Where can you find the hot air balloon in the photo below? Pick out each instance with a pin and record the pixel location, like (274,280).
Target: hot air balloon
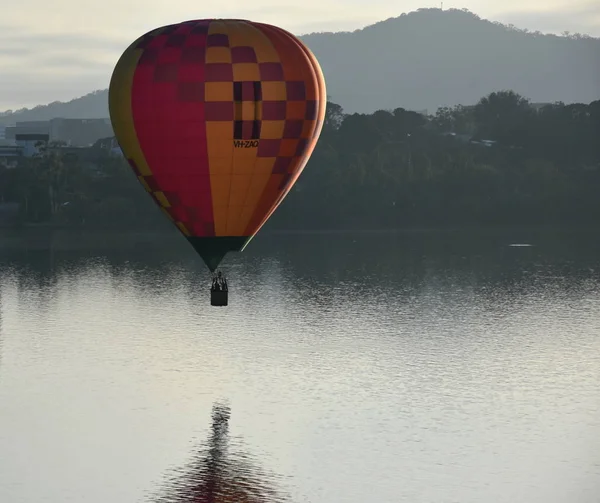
(221,473)
(217,118)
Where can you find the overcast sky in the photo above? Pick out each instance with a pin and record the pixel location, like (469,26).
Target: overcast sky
(64,49)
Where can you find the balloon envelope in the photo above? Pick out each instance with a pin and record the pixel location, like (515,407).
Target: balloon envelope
(217,118)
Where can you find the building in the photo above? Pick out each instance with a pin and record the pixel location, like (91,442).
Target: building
(538,106)
(26,127)
(9,148)
(10,153)
(30,142)
(73,132)
(80,132)
(109,144)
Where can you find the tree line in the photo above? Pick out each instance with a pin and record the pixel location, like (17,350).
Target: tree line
(502,161)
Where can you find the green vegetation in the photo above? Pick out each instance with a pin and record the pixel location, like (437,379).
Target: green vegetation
(63,189)
(384,170)
(399,169)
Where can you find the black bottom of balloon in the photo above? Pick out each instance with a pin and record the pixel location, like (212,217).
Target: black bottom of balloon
(218,297)
(213,249)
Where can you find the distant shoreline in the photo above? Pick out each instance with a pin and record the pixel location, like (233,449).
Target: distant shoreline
(26,229)
(44,239)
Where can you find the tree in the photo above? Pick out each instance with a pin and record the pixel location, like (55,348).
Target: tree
(504,116)
(334,116)
(386,169)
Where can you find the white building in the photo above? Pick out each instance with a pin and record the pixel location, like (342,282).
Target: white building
(74,132)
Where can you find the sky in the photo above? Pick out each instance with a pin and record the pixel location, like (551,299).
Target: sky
(60,50)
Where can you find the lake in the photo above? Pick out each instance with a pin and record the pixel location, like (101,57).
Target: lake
(418,367)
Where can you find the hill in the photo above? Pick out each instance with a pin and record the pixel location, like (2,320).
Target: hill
(432,58)
(93,105)
(424,60)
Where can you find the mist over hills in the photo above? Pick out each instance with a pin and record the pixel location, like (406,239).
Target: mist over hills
(432,58)
(93,105)
(421,61)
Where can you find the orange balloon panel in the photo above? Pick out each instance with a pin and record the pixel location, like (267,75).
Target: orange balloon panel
(217,118)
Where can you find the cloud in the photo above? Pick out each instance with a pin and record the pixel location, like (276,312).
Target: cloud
(19,90)
(41,44)
(64,51)
(66,48)
(42,67)
(336,15)
(574,18)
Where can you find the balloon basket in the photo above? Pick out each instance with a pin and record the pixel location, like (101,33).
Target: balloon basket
(218,297)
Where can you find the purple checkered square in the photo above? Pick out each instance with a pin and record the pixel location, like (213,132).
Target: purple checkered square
(218,72)
(148,57)
(246,130)
(284,181)
(201,28)
(144,41)
(296,90)
(274,110)
(169,55)
(249,130)
(193,54)
(247,91)
(293,129)
(311,110)
(243,55)
(268,148)
(179,213)
(193,214)
(190,91)
(218,111)
(184,28)
(169,30)
(301,147)
(201,228)
(176,40)
(282,164)
(217,40)
(165,72)
(270,71)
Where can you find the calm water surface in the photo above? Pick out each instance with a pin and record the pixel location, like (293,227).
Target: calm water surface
(417,367)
